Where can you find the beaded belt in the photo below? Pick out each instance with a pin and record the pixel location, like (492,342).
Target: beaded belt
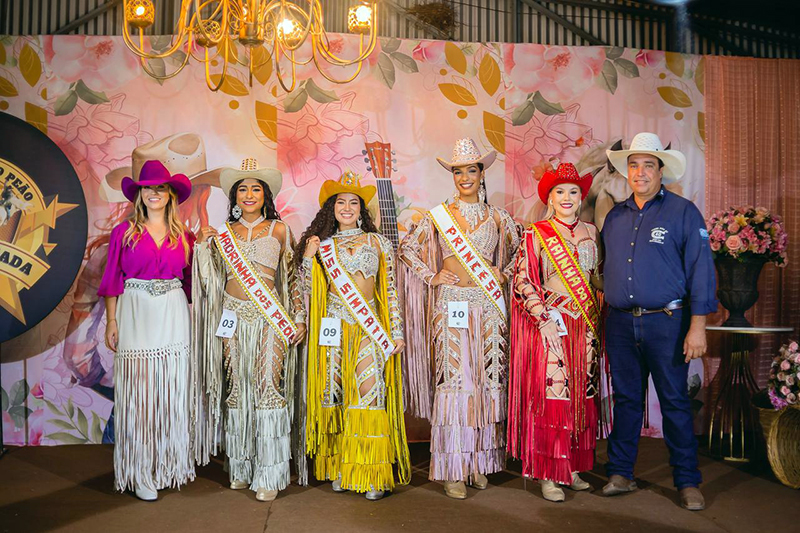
(154,287)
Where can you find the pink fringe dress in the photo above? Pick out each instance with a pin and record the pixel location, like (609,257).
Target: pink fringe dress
(456,378)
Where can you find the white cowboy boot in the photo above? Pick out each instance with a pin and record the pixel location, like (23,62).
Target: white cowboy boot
(239,485)
(337,485)
(551,491)
(264,495)
(374,495)
(578,483)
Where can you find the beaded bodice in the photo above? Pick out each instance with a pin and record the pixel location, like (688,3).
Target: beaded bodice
(358,255)
(587,257)
(265,250)
(485,237)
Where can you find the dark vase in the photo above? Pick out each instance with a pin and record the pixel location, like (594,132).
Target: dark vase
(737,287)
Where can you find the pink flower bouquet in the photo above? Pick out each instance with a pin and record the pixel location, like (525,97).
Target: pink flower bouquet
(784,377)
(748,233)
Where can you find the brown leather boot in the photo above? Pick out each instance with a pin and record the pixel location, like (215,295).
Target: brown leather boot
(692,499)
(618,485)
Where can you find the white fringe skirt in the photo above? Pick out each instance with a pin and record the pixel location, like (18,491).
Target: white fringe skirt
(151,387)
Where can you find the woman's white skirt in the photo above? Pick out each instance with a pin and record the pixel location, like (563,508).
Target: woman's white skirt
(151,387)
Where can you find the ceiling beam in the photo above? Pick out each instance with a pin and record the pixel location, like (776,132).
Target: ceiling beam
(436,32)
(720,38)
(642,11)
(91,15)
(558,19)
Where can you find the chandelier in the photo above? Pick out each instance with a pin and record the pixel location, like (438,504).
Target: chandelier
(208,31)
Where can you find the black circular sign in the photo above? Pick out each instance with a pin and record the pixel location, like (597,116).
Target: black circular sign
(43,226)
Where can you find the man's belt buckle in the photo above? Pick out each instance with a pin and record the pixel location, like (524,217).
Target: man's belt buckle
(636,311)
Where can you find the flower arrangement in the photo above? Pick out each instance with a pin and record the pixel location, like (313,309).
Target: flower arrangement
(748,233)
(784,377)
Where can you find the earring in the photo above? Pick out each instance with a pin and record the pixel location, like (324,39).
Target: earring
(482,193)
(236,212)
(358,222)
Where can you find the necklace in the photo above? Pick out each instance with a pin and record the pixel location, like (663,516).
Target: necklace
(472,213)
(348,233)
(251,225)
(570,227)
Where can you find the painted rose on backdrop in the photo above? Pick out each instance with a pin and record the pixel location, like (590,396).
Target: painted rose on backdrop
(530,147)
(430,52)
(560,73)
(102,62)
(100,135)
(323,141)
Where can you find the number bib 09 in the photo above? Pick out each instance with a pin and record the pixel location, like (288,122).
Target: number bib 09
(458,315)
(330,332)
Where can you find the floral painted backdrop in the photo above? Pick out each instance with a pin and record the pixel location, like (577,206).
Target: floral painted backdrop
(534,104)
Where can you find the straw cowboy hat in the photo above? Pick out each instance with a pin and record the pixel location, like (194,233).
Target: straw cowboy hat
(249,169)
(155,173)
(565,173)
(465,152)
(649,143)
(347,182)
(181,153)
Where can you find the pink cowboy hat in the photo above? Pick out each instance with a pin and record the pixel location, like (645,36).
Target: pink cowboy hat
(155,173)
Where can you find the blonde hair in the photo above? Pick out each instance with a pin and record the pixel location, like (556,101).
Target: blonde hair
(177,229)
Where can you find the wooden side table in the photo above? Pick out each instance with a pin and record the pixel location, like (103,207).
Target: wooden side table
(732,431)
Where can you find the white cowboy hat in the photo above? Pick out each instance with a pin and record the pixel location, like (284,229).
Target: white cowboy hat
(649,143)
(465,152)
(271,176)
(181,153)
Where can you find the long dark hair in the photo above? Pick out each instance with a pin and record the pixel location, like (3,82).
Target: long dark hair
(268,210)
(324,226)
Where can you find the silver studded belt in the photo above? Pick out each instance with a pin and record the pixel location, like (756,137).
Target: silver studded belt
(154,287)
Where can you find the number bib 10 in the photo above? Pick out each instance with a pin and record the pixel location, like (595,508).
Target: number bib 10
(330,332)
(227,324)
(458,315)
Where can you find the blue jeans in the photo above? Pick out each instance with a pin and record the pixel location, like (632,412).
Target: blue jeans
(637,348)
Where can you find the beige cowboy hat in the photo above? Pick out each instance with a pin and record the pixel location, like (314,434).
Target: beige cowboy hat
(181,153)
(649,143)
(249,169)
(465,152)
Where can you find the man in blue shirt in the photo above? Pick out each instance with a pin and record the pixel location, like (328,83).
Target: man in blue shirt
(659,285)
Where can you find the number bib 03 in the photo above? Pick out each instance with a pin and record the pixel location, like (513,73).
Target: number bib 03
(227,324)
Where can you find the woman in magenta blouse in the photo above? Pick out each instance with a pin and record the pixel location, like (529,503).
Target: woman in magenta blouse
(146,286)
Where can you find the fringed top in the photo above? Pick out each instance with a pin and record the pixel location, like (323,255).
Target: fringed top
(422,255)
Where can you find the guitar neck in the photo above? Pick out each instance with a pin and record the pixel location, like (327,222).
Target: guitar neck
(388,211)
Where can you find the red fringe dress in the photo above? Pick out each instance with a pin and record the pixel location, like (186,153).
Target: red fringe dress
(553,415)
